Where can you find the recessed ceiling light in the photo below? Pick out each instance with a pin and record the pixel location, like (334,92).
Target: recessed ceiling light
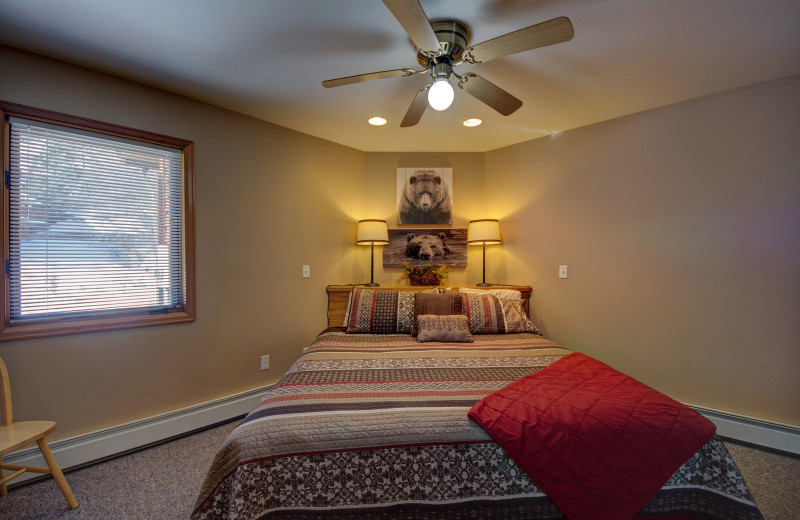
(472,122)
(376,121)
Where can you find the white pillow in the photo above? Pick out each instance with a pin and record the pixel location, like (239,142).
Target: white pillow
(506,294)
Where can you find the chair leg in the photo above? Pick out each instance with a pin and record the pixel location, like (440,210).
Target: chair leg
(57,474)
(3,487)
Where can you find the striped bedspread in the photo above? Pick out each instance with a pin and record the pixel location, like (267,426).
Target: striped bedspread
(375,427)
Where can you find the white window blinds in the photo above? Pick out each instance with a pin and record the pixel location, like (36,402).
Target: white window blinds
(95,223)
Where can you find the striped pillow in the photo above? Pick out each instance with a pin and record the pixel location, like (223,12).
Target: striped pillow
(488,314)
(516,318)
(380,312)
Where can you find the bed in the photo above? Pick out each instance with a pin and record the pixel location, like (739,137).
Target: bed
(373,424)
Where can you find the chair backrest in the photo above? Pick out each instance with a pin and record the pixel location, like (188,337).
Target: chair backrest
(5,394)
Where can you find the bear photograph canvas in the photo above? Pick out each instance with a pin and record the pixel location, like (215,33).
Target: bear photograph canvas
(422,246)
(424,196)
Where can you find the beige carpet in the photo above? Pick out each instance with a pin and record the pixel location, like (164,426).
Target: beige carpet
(161,483)
(158,483)
(774,480)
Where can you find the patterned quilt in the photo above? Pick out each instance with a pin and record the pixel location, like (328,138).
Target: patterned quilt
(375,427)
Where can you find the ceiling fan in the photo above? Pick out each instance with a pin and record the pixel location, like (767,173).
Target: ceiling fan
(442,45)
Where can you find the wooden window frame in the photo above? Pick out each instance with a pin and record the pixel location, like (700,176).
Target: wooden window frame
(75,325)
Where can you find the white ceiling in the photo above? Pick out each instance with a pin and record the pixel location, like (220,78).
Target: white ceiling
(267,58)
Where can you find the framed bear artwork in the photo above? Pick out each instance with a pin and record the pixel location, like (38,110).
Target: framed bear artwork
(424,196)
(422,246)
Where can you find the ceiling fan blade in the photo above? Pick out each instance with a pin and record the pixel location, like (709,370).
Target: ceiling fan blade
(489,93)
(413,19)
(553,31)
(349,80)
(417,108)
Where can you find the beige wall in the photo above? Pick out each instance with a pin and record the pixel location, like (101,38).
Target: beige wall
(268,200)
(680,227)
(681,230)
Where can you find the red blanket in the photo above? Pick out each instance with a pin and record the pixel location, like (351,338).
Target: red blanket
(598,442)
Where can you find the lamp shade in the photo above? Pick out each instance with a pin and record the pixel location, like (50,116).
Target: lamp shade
(372,231)
(484,231)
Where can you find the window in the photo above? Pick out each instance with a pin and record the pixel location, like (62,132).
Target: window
(98,226)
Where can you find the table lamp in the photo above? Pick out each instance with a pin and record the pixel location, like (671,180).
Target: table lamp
(370,232)
(484,231)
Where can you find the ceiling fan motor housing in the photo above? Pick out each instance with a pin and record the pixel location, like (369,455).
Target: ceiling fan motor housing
(453,38)
(441,68)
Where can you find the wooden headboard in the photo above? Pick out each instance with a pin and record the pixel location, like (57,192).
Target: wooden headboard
(339,296)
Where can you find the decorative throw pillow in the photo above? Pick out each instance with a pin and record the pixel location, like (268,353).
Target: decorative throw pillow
(488,314)
(380,312)
(405,312)
(437,304)
(449,329)
(516,319)
(372,312)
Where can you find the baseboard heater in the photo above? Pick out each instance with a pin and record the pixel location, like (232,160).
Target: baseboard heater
(81,450)
(89,448)
(749,430)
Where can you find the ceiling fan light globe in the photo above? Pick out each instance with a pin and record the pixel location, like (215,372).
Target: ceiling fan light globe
(440,95)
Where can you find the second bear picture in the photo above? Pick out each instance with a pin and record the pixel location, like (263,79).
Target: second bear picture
(436,246)
(424,196)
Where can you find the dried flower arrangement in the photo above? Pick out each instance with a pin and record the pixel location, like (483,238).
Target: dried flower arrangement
(425,274)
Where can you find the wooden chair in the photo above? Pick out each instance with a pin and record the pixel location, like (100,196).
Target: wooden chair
(16,435)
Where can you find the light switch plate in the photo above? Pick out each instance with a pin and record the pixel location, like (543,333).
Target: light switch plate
(562,271)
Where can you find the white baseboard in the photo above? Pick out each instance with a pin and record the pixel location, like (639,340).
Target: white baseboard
(91,447)
(772,435)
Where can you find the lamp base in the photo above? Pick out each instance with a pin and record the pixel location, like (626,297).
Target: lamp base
(484,284)
(371,284)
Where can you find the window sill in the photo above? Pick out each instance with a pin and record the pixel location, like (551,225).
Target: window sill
(79,326)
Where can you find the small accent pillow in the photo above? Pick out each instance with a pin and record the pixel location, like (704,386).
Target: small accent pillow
(438,304)
(488,314)
(448,329)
